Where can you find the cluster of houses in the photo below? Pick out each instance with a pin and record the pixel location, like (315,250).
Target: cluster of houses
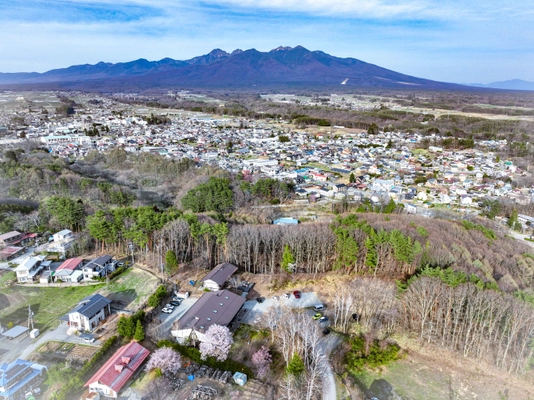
(73,270)
(384,165)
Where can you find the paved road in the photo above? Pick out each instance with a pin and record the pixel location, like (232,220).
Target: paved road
(521,238)
(24,346)
(329,343)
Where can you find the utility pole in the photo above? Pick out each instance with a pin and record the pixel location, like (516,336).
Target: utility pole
(30,317)
(131,246)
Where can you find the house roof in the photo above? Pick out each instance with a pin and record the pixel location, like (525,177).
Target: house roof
(213,308)
(120,367)
(99,261)
(64,232)
(29,262)
(14,376)
(70,264)
(220,273)
(91,305)
(9,235)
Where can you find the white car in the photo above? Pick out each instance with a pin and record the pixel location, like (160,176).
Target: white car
(167,310)
(276,298)
(287,295)
(169,305)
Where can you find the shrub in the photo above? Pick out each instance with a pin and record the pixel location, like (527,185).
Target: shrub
(371,354)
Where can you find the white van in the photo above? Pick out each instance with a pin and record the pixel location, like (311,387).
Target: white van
(319,307)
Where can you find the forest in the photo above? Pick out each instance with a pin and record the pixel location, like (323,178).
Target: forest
(461,284)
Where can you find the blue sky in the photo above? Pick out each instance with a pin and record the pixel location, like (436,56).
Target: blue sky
(449,40)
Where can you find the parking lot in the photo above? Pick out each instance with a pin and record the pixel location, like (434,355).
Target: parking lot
(168,319)
(253,316)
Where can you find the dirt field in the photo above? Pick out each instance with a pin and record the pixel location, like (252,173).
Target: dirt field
(57,352)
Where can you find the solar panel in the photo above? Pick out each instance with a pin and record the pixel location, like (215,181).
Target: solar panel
(12,372)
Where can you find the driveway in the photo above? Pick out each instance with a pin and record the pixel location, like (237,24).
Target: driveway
(327,345)
(168,319)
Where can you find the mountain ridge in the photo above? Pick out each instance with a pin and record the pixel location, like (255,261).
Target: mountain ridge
(282,66)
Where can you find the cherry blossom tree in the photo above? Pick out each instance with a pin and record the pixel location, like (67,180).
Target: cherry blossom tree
(261,360)
(166,359)
(216,343)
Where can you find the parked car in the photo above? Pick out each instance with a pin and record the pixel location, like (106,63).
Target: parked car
(323,319)
(317,316)
(169,305)
(319,307)
(326,331)
(167,310)
(175,303)
(297,294)
(287,295)
(120,264)
(259,299)
(89,340)
(177,299)
(276,298)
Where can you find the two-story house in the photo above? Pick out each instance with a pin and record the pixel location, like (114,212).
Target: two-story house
(29,268)
(90,312)
(99,266)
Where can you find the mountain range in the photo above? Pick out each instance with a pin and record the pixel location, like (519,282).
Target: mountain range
(512,84)
(281,67)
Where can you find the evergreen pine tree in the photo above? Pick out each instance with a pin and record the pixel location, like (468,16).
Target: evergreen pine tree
(139,332)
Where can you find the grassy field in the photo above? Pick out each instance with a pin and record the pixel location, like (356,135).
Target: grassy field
(420,377)
(48,304)
(131,289)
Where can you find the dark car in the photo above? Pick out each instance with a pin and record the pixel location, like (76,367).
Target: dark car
(297,294)
(175,303)
(356,317)
(326,331)
(323,319)
(260,299)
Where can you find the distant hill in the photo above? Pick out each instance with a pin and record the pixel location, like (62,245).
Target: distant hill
(512,84)
(283,66)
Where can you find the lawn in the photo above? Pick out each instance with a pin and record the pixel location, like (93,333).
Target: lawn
(132,288)
(47,304)
(129,290)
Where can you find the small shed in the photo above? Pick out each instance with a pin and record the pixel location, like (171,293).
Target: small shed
(240,378)
(15,332)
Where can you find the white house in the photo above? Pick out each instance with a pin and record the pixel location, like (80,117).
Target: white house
(89,312)
(65,234)
(218,276)
(118,370)
(29,268)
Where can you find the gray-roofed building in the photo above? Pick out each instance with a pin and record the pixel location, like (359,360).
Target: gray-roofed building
(213,308)
(98,266)
(90,312)
(218,276)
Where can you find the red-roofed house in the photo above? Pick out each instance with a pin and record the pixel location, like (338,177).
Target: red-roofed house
(65,270)
(111,378)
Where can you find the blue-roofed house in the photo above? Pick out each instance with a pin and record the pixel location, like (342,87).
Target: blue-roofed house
(90,312)
(286,221)
(19,377)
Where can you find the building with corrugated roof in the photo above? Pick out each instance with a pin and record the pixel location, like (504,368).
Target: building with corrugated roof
(213,308)
(115,373)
